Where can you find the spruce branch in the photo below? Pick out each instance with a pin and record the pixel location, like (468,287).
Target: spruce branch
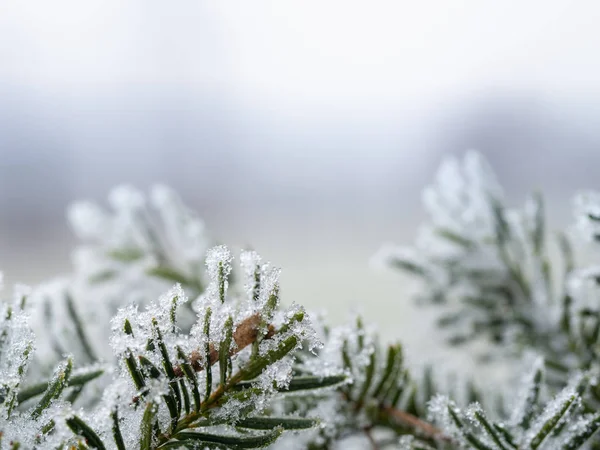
(233,369)
(169,367)
(379,394)
(486,267)
(79,378)
(245,334)
(533,424)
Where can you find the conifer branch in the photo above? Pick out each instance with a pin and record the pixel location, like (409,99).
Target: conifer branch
(275,380)
(405,418)
(245,334)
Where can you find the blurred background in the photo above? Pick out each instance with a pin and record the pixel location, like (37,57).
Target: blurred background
(307,129)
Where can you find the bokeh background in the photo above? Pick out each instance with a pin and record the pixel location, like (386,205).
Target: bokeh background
(306,129)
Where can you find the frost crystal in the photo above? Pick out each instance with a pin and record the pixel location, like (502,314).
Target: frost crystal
(587,214)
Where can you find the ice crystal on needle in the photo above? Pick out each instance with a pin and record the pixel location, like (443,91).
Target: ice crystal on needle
(35,425)
(16,349)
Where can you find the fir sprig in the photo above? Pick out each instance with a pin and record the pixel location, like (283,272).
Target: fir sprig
(562,423)
(233,369)
(165,376)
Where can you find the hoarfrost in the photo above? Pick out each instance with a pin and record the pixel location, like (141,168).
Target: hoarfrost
(586,208)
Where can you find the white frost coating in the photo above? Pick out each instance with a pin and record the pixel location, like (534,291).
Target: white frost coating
(549,426)
(472,410)
(264,274)
(126,198)
(218,263)
(88,220)
(438,413)
(116,263)
(527,384)
(459,198)
(120,341)
(278,374)
(184,231)
(586,209)
(459,202)
(477,256)
(16,343)
(139,236)
(582,285)
(16,351)
(406,442)
(551,410)
(251,264)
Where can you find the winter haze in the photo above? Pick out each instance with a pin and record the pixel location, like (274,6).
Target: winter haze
(306,130)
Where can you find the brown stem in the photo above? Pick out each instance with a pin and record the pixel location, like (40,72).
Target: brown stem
(243,336)
(410,420)
(371,439)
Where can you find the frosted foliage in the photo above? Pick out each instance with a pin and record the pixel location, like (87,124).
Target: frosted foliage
(252,266)
(280,373)
(529,387)
(357,442)
(16,348)
(587,215)
(560,423)
(133,328)
(185,231)
(331,360)
(352,350)
(88,221)
(459,198)
(135,238)
(439,412)
(27,432)
(117,396)
(218,264)
(130,253)
(554,408)
(407,442)
(333,419)
(164,346)
(583,290)
(485,262)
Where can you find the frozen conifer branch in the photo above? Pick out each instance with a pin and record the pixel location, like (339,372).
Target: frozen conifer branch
(159,237)
(382,396)
(131,252)
(229,367)
(179,396)
(561,423)
(244,335)
(487,268)
(33,426)
(486,263)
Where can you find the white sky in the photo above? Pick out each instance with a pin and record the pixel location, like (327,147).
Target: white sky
(325,52)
